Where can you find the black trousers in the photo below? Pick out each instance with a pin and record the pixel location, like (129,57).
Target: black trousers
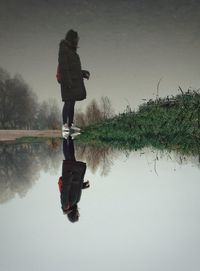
(68,112)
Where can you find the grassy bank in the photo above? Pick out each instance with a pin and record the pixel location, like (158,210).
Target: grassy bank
(168,123)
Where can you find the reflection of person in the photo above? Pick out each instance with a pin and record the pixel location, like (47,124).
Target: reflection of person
(71,182)
(71,77)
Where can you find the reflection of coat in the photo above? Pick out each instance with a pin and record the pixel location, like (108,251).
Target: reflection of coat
(72,85)
(71,182)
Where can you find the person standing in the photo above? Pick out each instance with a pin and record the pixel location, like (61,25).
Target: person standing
(71,78)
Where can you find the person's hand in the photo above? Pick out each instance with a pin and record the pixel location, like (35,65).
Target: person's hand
(86,185)
(86,74)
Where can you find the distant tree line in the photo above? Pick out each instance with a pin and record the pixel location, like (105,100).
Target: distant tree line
(21,164)
(95,112)
(20,109)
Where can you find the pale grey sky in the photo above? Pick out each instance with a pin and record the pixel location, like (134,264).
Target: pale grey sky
(127,45)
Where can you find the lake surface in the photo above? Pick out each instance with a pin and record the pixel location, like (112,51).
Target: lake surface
(141,212)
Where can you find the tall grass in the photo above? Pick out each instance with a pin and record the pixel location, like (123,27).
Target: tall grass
(168,123)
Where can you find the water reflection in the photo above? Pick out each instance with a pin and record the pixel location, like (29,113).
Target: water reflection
(20,166)
(97,157)
(175,157)
(72,181)
(160,212)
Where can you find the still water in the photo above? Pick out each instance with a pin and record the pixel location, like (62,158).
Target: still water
(141,211)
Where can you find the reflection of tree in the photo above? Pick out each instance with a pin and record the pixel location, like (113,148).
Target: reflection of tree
(96,157)
(20,166)
(103,157)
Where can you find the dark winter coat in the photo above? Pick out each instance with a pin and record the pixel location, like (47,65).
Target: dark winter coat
(71,183)
(72,85)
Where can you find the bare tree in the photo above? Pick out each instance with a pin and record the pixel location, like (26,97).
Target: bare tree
(93,113)
(42,115)
(80,118)
(106,107)
(53,120)
(48,116)
(18,103)
(4,75)
(19,107)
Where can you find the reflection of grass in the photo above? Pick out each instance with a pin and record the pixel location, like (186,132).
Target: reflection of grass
(34,139)
(31,139)
(169,123)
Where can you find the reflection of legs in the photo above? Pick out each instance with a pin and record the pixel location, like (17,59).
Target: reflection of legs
(68,112)
(68,149)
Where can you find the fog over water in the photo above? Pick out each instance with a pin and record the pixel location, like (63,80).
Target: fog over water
(127,45)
